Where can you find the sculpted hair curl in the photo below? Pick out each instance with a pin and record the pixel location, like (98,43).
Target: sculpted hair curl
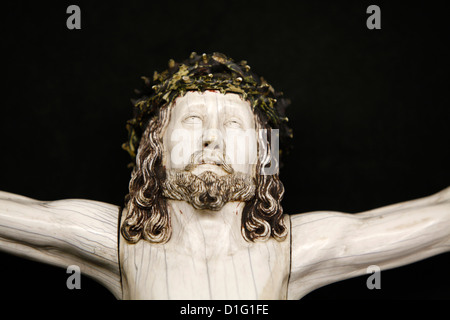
(147,217)
(147,214)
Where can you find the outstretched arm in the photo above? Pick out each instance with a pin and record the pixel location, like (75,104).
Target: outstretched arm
(63,233)
(330,246)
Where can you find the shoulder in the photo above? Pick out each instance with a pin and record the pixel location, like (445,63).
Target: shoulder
(316,239)
(316,235)
(88,215)
(84,206)
(320,219)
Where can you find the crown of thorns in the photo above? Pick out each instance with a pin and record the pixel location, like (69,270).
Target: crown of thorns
(200,73)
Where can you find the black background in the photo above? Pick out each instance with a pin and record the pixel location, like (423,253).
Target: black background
(370,110)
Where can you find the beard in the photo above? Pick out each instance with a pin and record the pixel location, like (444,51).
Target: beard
(208,190)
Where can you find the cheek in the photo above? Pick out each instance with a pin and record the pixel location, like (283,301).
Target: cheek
(241,149)
(180,144)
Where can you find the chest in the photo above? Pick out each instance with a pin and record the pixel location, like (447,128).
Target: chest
(258,271)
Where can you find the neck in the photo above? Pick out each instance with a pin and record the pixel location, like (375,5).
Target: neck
(215,231)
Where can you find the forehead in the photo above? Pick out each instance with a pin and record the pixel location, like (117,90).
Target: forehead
(211,102)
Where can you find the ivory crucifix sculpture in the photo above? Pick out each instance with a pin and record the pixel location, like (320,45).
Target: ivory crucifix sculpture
(203,217)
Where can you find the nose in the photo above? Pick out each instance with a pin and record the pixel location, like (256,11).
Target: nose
(212,139)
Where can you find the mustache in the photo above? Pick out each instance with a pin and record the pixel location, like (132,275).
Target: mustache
(211,157)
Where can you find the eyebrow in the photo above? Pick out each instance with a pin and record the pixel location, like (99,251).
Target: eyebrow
(194,105)
(197,105)
(200,105)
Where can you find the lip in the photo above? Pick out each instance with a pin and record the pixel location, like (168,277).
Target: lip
(211,161)
(218,169)
(204,163)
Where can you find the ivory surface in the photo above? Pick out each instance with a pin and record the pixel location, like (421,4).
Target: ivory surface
(207,256)
(322,248)
(198,263)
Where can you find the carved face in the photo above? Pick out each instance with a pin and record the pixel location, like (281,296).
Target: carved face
(209,151)
(213,132)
